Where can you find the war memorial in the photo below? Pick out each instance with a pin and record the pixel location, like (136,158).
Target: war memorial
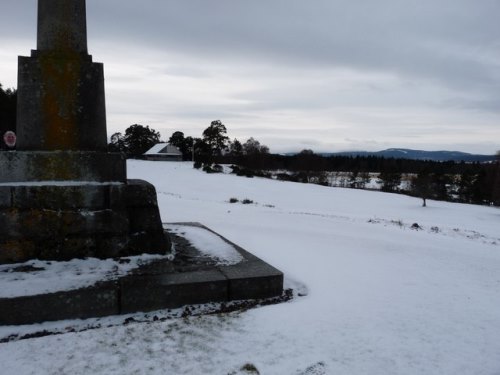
(64,196)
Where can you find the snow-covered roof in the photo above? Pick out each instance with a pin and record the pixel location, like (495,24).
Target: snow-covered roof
(163,149)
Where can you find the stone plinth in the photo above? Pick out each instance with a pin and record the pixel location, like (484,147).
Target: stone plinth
(57,222)
(190,278)
(96,301)
(19,166)
(61,103)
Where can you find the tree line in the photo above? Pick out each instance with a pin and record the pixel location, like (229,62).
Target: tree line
(214,146)
(457,181)
(476,182)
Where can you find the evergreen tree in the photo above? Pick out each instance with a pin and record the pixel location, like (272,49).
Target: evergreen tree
(136,141)
(479,188)
(440,183)
(184,144)
(177,139)
(465,184)
(495,194)
(117,143)
(235,148)
(253,146)
(215,138)
(390,180)
(421,186)
(189,148)
(364,179)
(202,152)
(353,179)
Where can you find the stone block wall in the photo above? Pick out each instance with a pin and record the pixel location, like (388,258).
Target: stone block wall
(65,222)
(42,166)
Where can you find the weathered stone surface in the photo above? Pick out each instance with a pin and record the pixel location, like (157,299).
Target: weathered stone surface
(65,222)
(140,193)
(65,18)
(5,197)
(112,246)
(17,250)
(90,197)
(61,103)
(148,293)
(44,223)
(17,166)
(136,193)
(250,279)
(253,280)
(66,248)
(144,218)
(69,247)
(149,242)
(18,224)
(96,301)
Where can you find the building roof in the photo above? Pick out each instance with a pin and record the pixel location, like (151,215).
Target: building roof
(163,149)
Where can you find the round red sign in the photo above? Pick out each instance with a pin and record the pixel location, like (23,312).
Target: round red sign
(10,138)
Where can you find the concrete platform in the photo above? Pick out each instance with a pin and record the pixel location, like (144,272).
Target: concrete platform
(194,276)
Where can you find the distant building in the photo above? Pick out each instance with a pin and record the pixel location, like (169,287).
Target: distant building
(163,152)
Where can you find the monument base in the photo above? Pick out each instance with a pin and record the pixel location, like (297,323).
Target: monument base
(68,219)
(196,275)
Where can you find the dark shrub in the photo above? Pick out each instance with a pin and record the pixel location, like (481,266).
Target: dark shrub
(235,169)
(217,168)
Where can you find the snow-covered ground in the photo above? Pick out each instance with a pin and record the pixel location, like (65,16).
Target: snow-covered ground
(382,298)
(50,277)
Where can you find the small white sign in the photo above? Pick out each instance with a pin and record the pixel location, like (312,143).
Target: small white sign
(10,138)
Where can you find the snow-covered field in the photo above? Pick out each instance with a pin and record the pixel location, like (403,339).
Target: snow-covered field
(382,298)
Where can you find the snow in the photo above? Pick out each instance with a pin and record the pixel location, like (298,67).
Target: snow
(382,298)
(37,276)
(163,149)
(208,243)
(156,148)
(51,277)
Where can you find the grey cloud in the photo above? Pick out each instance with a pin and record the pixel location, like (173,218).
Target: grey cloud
(388,35)
(18,19)
(442,54)
(385,35)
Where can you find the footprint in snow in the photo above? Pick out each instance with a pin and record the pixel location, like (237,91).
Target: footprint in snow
(316,369)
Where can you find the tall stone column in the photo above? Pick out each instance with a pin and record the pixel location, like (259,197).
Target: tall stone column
(62,26)
(61,91)
(62,195)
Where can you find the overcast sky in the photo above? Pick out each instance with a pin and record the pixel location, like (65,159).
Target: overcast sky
(327,75)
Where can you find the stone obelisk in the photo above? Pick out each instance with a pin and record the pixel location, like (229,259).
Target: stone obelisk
(61,91)
(62,195)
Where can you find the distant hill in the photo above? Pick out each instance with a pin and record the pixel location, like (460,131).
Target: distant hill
(404,153)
